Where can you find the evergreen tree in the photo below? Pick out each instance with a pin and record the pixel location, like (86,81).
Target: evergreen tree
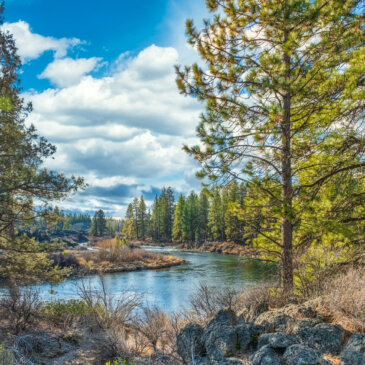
(191,221)
(203,211)
(179,225)
(283,85)
(142,219)
(98,224)
(23,179)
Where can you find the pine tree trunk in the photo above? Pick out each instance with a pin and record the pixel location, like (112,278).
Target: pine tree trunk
(287,196)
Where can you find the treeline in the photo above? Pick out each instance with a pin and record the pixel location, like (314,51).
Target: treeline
(195,218)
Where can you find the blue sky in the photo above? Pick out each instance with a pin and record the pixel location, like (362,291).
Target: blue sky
(101,79)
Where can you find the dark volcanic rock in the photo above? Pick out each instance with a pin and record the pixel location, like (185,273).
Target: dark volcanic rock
(266,356)
(326,338)
(303,355)
(189,342)
(277,340)
(223,337)
(354,352)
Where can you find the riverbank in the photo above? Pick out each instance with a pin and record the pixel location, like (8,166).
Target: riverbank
(108,256)
(226,248)
(251,327)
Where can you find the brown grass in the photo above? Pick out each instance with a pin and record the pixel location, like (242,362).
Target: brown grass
(109,251)
(344,298)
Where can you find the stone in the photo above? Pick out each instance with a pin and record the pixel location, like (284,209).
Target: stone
(224,337)
(266,356)
(281,340)
(354,352)
(225,341)
(274,321)
(326,338)
(303,355)
(189,342)
(41,344)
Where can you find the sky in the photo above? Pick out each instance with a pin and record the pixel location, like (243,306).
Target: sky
(101,79)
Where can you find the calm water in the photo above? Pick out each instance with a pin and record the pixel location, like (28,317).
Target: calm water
(169,289)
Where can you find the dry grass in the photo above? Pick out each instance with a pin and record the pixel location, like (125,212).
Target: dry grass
(344,298)
(113,252)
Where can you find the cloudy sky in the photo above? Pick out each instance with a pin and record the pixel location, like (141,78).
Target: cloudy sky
(102,82)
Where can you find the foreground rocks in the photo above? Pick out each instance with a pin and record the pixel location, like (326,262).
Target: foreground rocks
(289,336)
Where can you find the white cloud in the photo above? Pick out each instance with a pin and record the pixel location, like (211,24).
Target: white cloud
(31,45)
(143,95)
(67,71)
(123,131)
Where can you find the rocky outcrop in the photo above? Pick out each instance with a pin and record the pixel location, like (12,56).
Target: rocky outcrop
(274,338)
(354,352)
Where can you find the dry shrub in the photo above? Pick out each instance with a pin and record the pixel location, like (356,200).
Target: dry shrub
(63,259)
(19,308)
(344,297)
(207,300)
(106,309)
(113,252)
(153,324)
(254,300)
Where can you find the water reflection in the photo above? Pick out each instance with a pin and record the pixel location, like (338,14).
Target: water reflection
(169,289)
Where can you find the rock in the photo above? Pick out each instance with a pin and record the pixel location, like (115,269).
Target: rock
(223,337)
(266,356)
(354,352)
(302,355)
(274,321)
(225,341)
(229,361)
(277,340)
(41,344)
(326,338)
(189,342)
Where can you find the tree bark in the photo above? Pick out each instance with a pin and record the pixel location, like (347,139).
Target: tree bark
(287,193)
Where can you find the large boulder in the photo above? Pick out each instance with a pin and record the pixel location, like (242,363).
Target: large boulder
(354,352)
(223,337)
(266,356)
(274,321)
(189,343)
(303,355)
(277,340)
(326,338)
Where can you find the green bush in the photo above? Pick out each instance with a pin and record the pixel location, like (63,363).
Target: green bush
(70,310)
(6,356)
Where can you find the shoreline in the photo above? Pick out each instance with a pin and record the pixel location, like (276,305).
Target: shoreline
(158,264)
(224,248)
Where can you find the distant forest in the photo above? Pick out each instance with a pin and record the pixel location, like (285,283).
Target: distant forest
(195,218)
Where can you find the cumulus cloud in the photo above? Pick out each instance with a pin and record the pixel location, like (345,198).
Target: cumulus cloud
(31,45)
(67,71)
(123,130)
(142,95)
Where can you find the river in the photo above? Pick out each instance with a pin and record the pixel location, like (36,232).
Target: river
(169,289)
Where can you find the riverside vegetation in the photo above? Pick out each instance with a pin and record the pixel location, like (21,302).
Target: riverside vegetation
(283,89)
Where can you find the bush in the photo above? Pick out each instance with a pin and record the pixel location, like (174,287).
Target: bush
(344,296)
(65,313)
(19,308)
(208,300)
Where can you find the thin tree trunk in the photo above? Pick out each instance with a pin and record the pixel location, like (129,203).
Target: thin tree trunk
(287,194)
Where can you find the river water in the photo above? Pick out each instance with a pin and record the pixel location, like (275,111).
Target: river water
(169,289)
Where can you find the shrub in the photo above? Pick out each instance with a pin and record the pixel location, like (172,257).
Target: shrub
(207,300)
(19,308)
(65,313)
(344,296)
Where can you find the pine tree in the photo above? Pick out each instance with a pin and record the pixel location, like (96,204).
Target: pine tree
(23,179)
(283,86)
(142,219)
(179,215)
(203,211)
